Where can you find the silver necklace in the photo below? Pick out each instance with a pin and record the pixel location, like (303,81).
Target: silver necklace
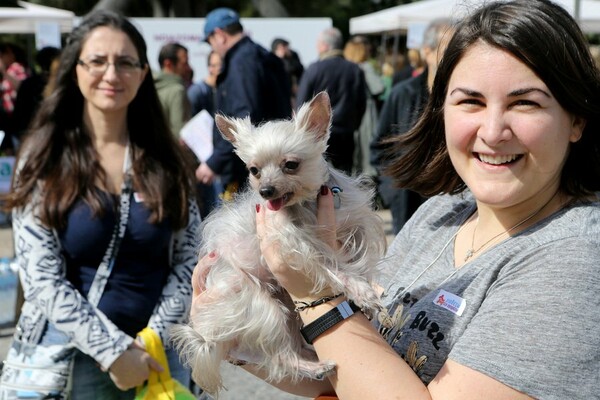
(435,259)
(471,252)
(474,251)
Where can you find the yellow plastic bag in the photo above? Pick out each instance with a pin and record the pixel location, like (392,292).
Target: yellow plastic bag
(160,385)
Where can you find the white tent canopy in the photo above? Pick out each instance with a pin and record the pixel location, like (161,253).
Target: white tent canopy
(400,17)
(25,18)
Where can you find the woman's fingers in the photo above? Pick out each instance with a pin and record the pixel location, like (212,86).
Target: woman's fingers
(264,225)
(287,269)
(201,272)
(155,365)
(260,222)
(326,217)
(138,343)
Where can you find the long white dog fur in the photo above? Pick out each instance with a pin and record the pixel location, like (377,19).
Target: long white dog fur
(243,310)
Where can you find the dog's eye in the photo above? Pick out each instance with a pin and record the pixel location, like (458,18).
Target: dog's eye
(291,165)
(254,171)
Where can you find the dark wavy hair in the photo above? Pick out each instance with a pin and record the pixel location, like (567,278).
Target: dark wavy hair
(59,159)
(547,39)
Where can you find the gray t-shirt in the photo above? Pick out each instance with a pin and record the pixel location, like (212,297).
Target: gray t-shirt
(525,312)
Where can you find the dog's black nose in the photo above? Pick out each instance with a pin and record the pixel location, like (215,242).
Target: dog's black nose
(267,192)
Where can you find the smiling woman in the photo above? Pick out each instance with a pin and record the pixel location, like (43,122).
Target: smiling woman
(492,285)
(507,136)
(100,170)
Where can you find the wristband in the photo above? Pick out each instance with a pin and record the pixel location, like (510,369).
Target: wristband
(303,305)
(328,320)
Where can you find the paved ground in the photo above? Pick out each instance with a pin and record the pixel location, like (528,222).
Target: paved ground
(6,250)
(240,384)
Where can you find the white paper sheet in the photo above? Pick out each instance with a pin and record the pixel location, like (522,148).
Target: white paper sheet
(198,135)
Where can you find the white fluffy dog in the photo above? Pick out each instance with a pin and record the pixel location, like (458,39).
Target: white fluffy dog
(243,310)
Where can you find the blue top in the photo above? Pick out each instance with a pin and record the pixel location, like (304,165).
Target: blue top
(202,97)
(141,267)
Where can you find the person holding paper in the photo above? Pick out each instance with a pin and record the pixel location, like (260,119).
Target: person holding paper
(252,83)
(202,95)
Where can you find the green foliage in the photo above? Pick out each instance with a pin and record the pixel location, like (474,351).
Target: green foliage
(593,38)
(338,10)
(79,7)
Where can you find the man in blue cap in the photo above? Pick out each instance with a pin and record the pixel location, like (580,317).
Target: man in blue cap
(253,82)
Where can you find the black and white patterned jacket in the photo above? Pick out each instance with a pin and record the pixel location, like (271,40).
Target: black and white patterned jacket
(50,296)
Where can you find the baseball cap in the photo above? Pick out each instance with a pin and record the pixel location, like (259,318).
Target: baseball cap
(219,18)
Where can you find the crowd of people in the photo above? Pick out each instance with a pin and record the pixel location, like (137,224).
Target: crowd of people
(482,146)
(357,94)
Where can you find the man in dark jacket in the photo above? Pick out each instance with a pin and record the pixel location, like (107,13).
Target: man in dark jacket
(291,61)
(252,82)
(399,114)
(345,83)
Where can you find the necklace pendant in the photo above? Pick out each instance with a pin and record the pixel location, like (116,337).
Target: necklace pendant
(469,254)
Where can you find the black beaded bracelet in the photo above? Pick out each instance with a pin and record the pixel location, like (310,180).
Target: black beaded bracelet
(302,305)
(328,320)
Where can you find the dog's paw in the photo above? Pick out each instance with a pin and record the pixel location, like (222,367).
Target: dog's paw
(370,307)
(241,357)
(327,368)
(315,369)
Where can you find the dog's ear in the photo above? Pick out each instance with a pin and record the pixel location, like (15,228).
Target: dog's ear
(315,116)
(226,127)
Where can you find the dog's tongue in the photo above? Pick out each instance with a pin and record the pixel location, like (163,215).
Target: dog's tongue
(276,204)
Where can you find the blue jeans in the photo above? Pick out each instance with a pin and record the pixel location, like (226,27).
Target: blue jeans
(90,383)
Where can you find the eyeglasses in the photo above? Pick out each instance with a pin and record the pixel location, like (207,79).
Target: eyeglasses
(98,66)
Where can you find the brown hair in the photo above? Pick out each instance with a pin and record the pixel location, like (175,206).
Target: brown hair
(356,50)
(548,41)
(58,159)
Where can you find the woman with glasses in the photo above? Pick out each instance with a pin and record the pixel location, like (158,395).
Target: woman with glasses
(101,130)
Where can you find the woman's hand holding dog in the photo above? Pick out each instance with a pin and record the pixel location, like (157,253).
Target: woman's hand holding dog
(298,285)
(200,273)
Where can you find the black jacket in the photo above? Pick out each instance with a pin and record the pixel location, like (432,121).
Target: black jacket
(344,81)
(252,82)
(399,114)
